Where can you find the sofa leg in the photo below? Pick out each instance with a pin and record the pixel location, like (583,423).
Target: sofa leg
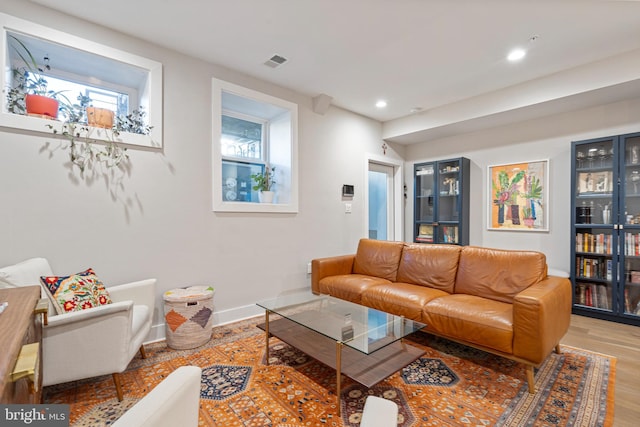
(530,379)
(143,353)
(116,380)
(558,349)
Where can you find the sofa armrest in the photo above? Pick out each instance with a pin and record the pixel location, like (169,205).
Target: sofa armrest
(331,266)
(541,317)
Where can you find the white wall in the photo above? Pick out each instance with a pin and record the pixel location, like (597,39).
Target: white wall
(545,138)
(157,220)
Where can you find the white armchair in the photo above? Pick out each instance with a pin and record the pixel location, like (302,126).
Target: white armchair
(91,342)
(173,402)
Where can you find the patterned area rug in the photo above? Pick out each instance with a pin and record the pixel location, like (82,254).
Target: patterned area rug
(451,385)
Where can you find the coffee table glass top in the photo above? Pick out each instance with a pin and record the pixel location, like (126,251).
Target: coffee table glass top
(361,328)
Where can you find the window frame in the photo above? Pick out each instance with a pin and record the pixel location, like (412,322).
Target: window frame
(219,205)
(153,86)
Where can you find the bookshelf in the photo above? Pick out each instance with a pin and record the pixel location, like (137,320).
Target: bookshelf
(605,223)
(441,201)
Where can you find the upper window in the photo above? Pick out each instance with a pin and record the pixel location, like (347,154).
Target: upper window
(242,137)
(254,135)
(72,70)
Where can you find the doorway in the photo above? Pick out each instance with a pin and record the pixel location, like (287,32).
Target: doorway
(384,201)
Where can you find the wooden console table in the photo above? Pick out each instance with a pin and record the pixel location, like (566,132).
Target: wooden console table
(21,339)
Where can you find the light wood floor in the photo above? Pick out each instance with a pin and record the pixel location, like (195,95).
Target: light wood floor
(623,342)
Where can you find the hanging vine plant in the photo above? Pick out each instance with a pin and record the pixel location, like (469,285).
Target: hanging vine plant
(89,145)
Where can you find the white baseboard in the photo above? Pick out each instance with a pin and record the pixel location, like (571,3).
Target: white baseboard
(157,332)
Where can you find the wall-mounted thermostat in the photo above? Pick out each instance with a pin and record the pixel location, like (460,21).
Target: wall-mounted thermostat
(347,190)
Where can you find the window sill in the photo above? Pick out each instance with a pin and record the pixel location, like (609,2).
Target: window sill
(40,125)
(255,207)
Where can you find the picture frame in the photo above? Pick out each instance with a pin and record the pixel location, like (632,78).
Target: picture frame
(518,196)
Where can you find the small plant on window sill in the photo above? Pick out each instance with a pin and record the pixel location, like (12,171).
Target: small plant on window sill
(28,80)
(133,122)
(264,180)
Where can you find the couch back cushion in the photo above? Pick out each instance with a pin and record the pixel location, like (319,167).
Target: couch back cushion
(497,273)
(434,266)
(379,258)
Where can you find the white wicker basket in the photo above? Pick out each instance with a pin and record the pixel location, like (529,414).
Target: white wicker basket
(188,315)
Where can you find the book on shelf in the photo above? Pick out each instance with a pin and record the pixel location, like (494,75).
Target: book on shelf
(425,233)
(627,301)
(632,244)
(450,234)
(594,268)
(596,243)
(593,295)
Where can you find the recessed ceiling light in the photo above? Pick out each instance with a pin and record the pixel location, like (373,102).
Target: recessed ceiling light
(381,104)
(516,54)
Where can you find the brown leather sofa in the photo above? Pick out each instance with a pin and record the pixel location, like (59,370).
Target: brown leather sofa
(500,301)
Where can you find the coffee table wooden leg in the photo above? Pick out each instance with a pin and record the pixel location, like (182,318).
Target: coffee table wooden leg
(266,334)
(338,373)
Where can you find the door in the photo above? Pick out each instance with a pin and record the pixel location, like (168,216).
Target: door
(381,201)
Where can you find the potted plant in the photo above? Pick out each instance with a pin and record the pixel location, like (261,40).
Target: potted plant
(29,93)
(133,122)
(100,117)
(264,184)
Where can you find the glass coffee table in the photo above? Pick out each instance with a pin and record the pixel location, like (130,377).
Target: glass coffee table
(360,342)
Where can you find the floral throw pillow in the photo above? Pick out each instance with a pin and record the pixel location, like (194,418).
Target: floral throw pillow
(76,292)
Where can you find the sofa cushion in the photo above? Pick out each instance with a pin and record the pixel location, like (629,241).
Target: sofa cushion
(429,265)
(349,286)
(378,258)
(498,274)
(401,299)
(472,319)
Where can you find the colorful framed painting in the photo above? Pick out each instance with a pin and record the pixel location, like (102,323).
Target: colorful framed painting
(519,196)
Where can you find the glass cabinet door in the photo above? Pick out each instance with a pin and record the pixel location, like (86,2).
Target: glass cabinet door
(448,209)
(630,217)
(425,189)
(595,212)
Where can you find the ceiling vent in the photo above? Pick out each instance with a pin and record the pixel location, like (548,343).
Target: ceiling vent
(275,61)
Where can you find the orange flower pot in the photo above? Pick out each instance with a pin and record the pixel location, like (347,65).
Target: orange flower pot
(41,106)
(100,117)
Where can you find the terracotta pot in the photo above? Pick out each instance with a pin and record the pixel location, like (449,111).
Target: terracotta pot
(41,106)
(100,117)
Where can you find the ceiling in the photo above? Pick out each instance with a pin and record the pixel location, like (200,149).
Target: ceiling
(427,59)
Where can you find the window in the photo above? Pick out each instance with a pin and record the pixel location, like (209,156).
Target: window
(110,78)
(253,131)
(242,137)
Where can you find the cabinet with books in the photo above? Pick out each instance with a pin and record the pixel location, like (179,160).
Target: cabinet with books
(605,218)
(441,201)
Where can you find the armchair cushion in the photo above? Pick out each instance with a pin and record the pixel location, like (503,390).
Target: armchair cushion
(76,292)
(24,273)
(27,273)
